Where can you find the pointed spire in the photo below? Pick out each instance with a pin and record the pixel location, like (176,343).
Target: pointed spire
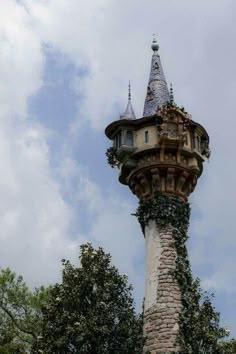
(129,112)
(157,91)
(171,94)
(129,93)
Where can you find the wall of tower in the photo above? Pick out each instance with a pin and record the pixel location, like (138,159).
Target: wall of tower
(152,272)
(140,137)
(162,294)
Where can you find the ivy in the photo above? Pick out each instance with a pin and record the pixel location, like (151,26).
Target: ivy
(199,322)
(111,155)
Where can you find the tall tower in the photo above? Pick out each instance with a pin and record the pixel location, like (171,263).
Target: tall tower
(160,157)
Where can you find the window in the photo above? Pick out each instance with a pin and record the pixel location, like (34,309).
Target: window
(197,142)
(186,142)
(172,129)
(129,138)
(117,140)
(146,137)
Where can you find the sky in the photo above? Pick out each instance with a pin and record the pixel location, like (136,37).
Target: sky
(64,72)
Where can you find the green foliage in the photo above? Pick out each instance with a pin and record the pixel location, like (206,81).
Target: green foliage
(20,313)
(111,155)
(199,322)
(165,210)
(92,310)
(227,347)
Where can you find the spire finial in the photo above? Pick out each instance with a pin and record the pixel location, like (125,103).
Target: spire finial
(155,45)
(171,94)
(129,112)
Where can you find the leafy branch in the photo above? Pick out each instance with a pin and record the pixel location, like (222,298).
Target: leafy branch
(111,155)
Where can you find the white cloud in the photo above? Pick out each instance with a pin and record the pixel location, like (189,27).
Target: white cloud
(21,59)
(34,222)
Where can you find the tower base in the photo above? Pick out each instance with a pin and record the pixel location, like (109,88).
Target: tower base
(162,294)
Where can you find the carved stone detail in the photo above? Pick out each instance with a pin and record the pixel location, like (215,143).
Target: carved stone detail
(165,179)
(156,179)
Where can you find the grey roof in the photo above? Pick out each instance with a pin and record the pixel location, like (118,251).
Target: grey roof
(129,112)
(157,91)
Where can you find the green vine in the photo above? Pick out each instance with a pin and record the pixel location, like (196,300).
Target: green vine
(199,322)
(111,155)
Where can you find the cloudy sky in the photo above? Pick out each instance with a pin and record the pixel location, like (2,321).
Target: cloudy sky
(64,70)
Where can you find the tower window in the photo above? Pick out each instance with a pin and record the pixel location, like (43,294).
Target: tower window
(187,139)
(117,140)
(146,137)
(198,143)
(172,129)
(129,138)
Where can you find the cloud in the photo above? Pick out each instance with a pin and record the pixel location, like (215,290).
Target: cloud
(35,220)
(21,59)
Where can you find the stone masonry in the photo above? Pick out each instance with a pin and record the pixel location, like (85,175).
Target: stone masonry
(162,296)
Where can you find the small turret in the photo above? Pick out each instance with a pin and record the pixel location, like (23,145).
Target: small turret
(129,112)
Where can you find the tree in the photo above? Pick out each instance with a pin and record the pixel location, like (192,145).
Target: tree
(228,347)
(20,313)
(202,330)
(92,310)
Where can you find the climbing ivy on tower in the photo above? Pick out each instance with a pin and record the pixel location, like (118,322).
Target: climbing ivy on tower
(199,322)
(111,155)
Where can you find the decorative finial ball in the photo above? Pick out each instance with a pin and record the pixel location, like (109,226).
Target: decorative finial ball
(155,45)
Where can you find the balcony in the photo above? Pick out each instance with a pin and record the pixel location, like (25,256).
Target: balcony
(124,151)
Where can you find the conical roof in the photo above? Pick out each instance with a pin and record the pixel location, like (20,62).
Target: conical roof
(129,112)
(157,90)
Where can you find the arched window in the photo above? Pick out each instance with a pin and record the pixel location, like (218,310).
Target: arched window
(129,138)
(146,137)
(186,138)
(172,129)
(198,142)
(117,140)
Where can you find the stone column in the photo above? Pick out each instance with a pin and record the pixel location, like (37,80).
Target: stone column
(162,294)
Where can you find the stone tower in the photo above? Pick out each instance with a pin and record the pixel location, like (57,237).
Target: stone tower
(160,157)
